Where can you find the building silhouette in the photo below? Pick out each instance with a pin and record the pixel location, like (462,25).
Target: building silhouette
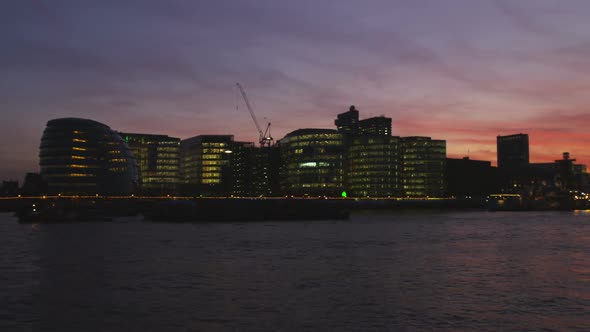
(9,188)
(348,122)
(470,178)
(378,126)
(158,161)
(264,171)
(34,185)
(80,156)
(512,151)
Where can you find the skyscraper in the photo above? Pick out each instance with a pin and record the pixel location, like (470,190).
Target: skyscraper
(513,151)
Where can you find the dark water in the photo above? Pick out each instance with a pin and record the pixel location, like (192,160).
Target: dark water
(382,272)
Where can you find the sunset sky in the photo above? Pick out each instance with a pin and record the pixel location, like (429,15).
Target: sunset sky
(461,70)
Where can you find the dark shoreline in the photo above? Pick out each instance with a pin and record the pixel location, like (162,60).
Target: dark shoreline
(62,209)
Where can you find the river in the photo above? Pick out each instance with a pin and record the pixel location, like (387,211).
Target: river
(475,271)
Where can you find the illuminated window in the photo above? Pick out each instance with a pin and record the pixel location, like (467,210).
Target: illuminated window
(308,164)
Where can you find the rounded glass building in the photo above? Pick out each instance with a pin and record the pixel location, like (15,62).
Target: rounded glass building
(313,162)
(85,157)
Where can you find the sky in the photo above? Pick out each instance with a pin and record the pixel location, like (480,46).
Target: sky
(460,70)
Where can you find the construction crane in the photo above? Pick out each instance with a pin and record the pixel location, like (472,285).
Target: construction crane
(264,137)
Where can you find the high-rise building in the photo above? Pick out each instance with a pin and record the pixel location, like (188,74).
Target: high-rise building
(513,151)
(79,156)
(348,122)
(372,166)
(380,126)
(423,165)
(312,162)
(158,159)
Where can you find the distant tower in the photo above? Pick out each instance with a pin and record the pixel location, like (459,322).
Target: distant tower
(379,126)
(348,122)
(513,151)
(566,171)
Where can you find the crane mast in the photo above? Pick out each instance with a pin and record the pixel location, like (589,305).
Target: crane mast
(264,138)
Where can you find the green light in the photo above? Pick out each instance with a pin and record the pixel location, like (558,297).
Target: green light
(126,139)
(344,194)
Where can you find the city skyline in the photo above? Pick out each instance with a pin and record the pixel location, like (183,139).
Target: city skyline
(460,71)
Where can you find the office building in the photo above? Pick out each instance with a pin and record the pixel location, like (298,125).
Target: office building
(79,156)
(204,165)
(513,152)
(422,167)
(312,162)
(373,167)
(158,160)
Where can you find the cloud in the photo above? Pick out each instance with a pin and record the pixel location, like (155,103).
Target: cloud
(451,70)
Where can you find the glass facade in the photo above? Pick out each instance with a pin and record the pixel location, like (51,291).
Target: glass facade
(205,164)
(79,156)
(158,159)
(216,165)
(423,167)
(373,167)
(312,162)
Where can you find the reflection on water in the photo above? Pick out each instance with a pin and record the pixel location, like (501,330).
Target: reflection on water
(425,271)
